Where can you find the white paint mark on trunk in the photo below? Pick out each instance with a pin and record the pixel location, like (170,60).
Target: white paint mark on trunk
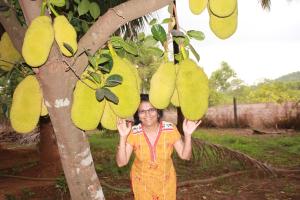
(87,161)
(62,103)
(99,194)
(48,104)
(60,145)
(94,177)
(77,171)
(96,194)
(86,152)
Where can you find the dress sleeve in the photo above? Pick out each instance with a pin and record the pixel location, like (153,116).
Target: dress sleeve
(130,139)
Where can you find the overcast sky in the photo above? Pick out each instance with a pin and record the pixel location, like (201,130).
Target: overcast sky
(265,45)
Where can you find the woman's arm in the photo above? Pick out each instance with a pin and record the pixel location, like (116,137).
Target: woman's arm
(124,150)
(184,148)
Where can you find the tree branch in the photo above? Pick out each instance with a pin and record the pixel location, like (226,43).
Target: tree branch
(106,25)
(13,27)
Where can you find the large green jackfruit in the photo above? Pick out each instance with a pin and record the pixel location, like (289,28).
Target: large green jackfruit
(222,8)
(223,27)
(109,118)
(26,105)
(197,6)
(86,110)
(38,41)
(8,53)
(175,99)
(162,85)
(192,86)
(136,74)
(65,33)
(127,92)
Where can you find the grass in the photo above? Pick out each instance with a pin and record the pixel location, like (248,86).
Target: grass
(280,150)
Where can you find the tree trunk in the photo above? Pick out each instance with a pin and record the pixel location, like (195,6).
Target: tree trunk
(57,83)
(49,156)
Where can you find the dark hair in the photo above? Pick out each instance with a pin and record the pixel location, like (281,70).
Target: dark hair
(145,98)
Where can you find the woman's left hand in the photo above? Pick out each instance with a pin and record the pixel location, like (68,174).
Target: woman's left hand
(190,126)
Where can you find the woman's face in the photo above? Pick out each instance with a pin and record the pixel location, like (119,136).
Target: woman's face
(147,114)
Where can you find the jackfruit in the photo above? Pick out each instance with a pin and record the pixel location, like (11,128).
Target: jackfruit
(174,98)
(8,54)
(38,41)
(136,74)
(192,87)
(109,118)
(222,8)
(26,105)
(162,85)
(127,91)
(44,110)
(65,33)
(224,27)
(86,110)
(197,6)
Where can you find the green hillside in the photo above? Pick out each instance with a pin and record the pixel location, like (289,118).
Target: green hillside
(291,77)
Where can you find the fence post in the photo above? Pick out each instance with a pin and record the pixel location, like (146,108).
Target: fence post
(235,113)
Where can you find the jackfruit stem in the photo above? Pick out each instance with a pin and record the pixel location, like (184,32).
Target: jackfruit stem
(111,49)
(43,8)
(53,10)
(183,52)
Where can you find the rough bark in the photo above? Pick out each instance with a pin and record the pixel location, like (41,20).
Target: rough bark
(57,85)
(49,155)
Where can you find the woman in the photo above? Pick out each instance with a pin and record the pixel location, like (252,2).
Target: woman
(153,175)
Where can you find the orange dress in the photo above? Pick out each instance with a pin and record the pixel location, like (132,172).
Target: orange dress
(152,174)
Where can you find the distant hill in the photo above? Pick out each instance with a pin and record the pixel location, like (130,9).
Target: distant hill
(291,77)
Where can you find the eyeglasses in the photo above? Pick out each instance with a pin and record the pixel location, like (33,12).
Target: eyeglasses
(150,111)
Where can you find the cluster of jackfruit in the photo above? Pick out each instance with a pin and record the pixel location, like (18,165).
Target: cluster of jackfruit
(8,54)
(27,105)
(40,35)
(184,85)
(87,112)
(223,15)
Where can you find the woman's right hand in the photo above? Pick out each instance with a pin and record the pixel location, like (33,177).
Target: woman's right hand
(123,127)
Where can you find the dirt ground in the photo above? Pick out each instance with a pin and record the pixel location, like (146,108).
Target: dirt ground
(24,162)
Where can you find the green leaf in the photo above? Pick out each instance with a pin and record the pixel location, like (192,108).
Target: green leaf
(198,35)
(197,56)
(130,48)
(85,26)
(93,61)
(182,40)
(104,92)
(69,48)
(94,10)
(149,41)
(153,21)
(166,20)
(58,3)
(70,15)
(102,59)
(155,51)
(113,80)
(117,41)
(107,66)
(96,77)
(83,7)
(141,36)
(159,33)
(100,94)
